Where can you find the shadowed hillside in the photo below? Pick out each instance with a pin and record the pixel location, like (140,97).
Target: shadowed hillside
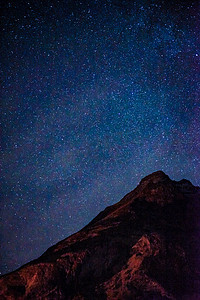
(146,246)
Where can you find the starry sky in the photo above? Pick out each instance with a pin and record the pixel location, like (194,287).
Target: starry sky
(95,96)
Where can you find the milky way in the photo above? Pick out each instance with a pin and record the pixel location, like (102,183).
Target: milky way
(96,95)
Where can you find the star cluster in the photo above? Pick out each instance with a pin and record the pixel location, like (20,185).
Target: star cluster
(96,95)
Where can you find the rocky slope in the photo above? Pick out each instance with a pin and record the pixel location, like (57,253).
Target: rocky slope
(146,246)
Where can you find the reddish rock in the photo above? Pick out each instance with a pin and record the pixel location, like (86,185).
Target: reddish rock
(144,247)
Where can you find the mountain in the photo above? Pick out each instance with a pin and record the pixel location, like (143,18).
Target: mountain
(146,246)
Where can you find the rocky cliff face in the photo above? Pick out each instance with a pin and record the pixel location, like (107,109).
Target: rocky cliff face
(147,246)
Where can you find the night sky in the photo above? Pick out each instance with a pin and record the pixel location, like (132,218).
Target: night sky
(96,95)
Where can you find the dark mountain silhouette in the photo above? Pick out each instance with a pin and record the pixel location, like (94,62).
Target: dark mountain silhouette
(146,246)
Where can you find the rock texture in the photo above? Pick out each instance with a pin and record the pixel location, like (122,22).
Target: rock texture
(144,247)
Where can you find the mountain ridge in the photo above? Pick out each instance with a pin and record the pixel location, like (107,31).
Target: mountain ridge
(146,246)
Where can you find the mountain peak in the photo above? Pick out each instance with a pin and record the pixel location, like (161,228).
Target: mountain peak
(155,177)
(146,246)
